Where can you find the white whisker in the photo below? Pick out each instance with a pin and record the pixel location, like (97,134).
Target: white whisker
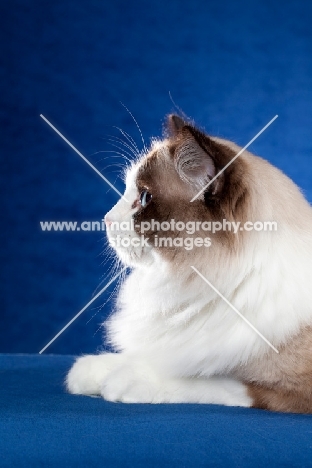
(136,123)
(123,143)
(130,155)
(129,138)
(116,154)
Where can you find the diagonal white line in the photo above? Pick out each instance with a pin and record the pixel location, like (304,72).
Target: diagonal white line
(83,157)
(235,310)
(82,310)
(232,160)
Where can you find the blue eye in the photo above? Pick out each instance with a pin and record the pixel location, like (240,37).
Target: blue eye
(145,198)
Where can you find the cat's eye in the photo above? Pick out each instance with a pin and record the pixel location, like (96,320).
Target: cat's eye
(145,198)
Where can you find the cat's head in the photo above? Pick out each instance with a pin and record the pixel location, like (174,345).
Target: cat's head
(162,190)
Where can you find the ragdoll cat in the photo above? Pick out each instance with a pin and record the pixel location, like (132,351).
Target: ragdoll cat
(177,340)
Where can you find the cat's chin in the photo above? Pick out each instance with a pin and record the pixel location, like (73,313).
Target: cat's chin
(133,259)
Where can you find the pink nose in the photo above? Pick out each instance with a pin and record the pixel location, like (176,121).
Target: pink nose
(107,220)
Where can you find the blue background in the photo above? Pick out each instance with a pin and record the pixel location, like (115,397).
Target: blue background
(231,66)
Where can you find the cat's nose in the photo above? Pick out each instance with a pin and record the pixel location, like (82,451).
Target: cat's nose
(107,220)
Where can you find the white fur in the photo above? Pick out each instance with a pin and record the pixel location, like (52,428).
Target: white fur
(123,212)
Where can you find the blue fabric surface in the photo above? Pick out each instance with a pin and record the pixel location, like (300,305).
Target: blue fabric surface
(230,65)
(43,426)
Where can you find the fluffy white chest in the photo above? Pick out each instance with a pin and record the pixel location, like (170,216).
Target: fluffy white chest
(180,330)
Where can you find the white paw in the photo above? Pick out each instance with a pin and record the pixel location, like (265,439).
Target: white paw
(88,372)
(130,384)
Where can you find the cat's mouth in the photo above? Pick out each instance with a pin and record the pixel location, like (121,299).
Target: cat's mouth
(132,249)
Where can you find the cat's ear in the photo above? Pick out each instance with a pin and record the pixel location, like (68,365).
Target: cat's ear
(193,160)
(175,124)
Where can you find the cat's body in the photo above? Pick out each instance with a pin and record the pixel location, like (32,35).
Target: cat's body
(177,339)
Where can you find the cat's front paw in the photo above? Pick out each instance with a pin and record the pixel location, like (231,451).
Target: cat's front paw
(88,372)
(130,384)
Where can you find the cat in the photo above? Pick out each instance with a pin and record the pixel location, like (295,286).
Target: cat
(176,340)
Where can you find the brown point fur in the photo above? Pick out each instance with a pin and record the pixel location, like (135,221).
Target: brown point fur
(282,382)
(172,195)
